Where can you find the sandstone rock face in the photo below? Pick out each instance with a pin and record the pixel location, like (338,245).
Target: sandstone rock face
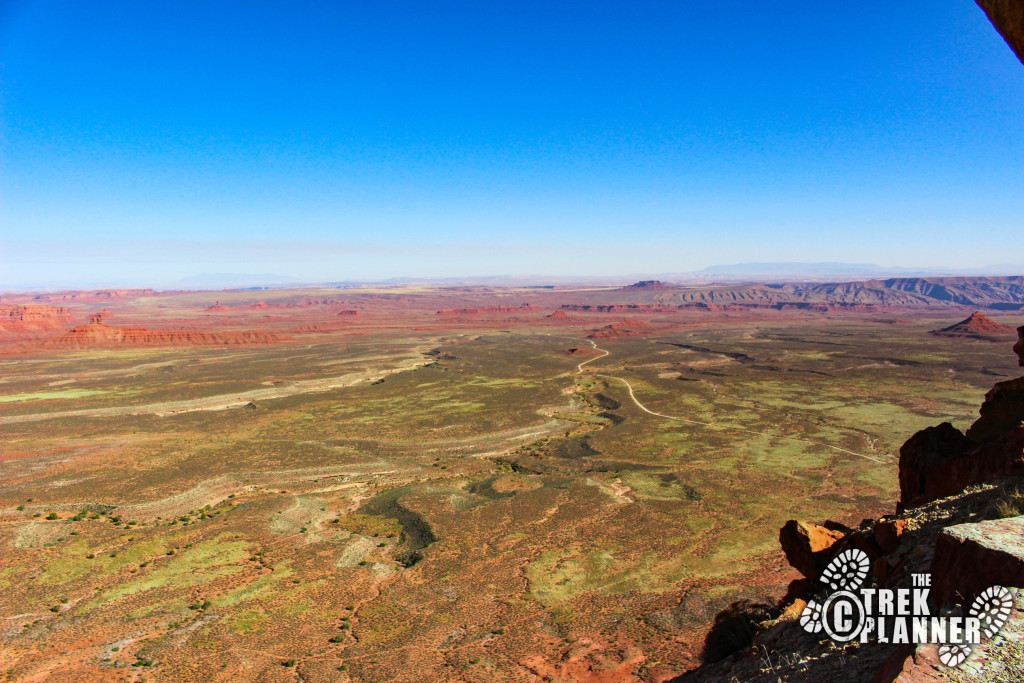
(977,326)
(928,449)
(940,461)
(33,318)
(911,664)
(1002,409)
(972,557)
(1008,18)
(887,534)
(100,335)
(807,546)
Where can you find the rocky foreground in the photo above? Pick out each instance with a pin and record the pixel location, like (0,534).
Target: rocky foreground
(960,518)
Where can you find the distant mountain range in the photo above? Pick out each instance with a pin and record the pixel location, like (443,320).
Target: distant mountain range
(838,269)
(997,293)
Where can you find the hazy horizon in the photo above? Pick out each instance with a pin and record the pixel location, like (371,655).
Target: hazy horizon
(142,145)
(724,274)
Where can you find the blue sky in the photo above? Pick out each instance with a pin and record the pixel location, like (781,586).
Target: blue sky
(145,142)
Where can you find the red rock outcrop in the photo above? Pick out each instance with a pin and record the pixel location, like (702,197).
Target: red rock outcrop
(100,335)
(216,308)
(1002,409)
(33,318)
(582,352)
(807,546)
(525,308)
(559,315)
(910,664)
(348,312)
(625,328)
(927,449)
(1008,18)
(977,326)
(588,661)
(940,461)
(970,558)
(632,308)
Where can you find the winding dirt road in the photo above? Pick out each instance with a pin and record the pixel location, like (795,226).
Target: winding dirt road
(641,406)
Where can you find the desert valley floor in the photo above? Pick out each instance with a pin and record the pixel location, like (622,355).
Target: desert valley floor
(435,484)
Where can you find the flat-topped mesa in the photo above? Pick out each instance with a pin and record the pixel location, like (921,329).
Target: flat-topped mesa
(649,284)
(977,326)
(98,335)
(94,295)
(33,318)
(624,328)
(525,308)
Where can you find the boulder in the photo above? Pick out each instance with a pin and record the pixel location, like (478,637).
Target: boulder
(910,664)
(929,477)
(1002,409)
(924,451)
(972,557)
(807,546)
(887,534)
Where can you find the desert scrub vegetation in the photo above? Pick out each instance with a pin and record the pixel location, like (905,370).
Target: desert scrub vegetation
(1011,502)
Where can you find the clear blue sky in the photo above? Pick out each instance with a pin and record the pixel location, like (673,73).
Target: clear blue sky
(142,142)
